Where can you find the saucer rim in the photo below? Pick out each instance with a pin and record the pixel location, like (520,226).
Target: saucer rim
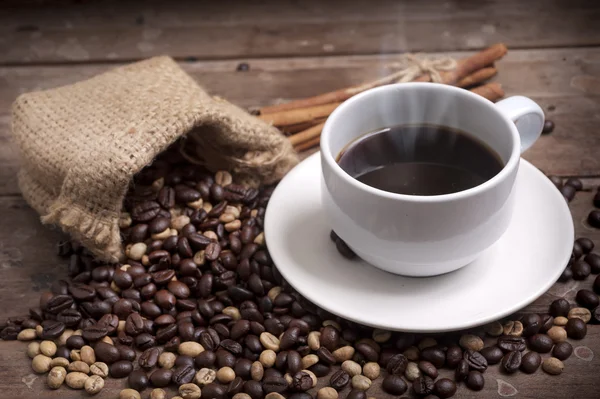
(564,212)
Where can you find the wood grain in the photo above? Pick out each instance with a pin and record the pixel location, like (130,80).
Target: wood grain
(547,76)
(122,31)
(28,265)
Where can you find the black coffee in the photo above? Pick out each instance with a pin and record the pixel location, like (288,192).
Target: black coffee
(420,160)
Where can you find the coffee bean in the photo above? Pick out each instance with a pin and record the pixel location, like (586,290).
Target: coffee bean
(547,323)
(593,259)
(301,382)
(58,303)
(320,370)
(330,337)
(560,307)
(52,329)
(184,360)
(145,211)
(581,270)
(531,324)
(587,299)
(397,364)
(394,385)
(548,127)
(144,341)
(126,353)
(183,375)
(106,353)
(553,366)
(149,358)
(586,244)
(138,380)
(436,356)
(511,362)
(530,362)
(568,192)
(562,350)
(453,356)
(275,384)
(339,380)
(356,394)
(576,328)
(541,343)
(224,358)
(577,251)
(493,354)
(509,344)
(215,391)
(121,369)
(595,315)
(462,371)
(75,342)
(423,386)
(428,369)
(475,381)
(161,378)
(475,360)
(594,218)
(566,275)
(445,388)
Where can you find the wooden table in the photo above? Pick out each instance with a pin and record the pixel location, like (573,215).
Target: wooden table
(297,49)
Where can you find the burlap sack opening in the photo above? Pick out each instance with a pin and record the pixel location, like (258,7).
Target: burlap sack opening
(81,144)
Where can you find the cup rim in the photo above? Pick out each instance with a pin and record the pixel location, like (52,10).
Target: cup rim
(510,165)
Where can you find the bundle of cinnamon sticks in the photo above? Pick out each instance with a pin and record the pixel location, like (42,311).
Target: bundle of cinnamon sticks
(303,119)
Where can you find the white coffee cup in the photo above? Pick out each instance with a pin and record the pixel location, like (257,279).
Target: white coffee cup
(425,235)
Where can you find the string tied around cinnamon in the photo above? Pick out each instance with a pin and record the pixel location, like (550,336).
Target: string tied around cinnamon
(410,67)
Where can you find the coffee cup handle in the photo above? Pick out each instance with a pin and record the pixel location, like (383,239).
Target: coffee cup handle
(526,115)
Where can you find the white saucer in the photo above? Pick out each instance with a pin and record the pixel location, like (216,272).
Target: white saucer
(515,271)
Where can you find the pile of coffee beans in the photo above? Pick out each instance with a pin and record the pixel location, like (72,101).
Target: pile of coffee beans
(197,304)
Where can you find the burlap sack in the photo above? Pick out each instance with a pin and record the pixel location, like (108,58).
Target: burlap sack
(81,144)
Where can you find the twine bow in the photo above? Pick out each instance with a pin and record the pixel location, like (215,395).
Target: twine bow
(411,66)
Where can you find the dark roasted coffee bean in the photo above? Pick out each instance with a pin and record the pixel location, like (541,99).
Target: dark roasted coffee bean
(594,219)
(475,360)
(184,360)
(454,355)
(139,233)
(404,341)
(568,192)
(240,329)
(339,380)
(366,350)
(492,354)
(427,368)
(462,371)
(294,362)
(144,341)
(160,378)
(121,369)
(276,384)
(82,292)
(530,362)
(165,299)
(445,388)
(274,326)
(325,356)
(593,259)
(547,323)
(511,362)
(231,346)
(531,324)
(134,325)
(576,328)
(179,289)
(58,303)
(392,384)
(586,244)
(70,317)
(110,321)
(106,353)
(397,364)
(253,388)
(158,225)
(301,382)
(242,368)
(145,211)
(63,351)
(148,358)
(562,350)
(541,343)
(138,380)
(434,355)
(320,369)
(212,251)
(183,374)
(166,197)
(475,381)
(225,358)
(235,386)
(75,342)
(356,394)
(9,333)
(126,353)
(423,386)
(560,307)
(587,299)
(52,329)
(577,251)
(509,343)
(281,360)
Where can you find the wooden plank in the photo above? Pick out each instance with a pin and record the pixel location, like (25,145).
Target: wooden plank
(28,265)
(565,82)
(117,31)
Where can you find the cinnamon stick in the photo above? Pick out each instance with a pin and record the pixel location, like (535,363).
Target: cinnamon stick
(308,144)
(491,91)
(302,115)
(298,127)
(464,68)
(477,77)
(307,134)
